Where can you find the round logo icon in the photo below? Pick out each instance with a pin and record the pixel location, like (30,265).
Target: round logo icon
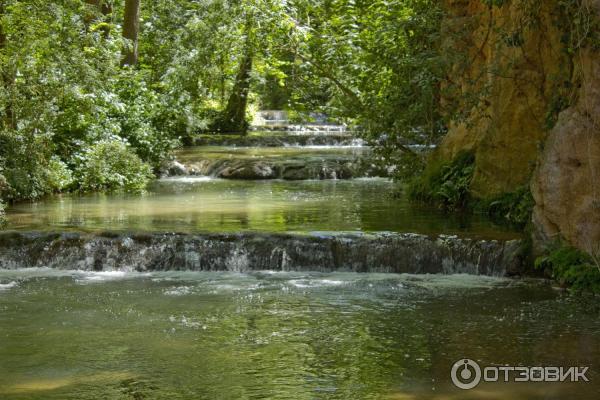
(466,374)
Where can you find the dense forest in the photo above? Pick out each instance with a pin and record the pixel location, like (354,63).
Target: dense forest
(96,93)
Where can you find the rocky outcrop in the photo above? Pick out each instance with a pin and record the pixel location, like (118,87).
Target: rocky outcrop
(384,252)
(508,66)
(526,75)
(566,184)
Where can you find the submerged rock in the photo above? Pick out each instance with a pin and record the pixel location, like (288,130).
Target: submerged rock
(383,252)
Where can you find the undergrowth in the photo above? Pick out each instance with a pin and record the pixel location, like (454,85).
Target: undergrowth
(571,268)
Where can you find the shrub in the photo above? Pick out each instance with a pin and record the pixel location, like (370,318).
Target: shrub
(572,268)
(515,207)
(111,165)
(445,184)
(59,176)
(24,160)
(139,114)
(3,190)
(2,214)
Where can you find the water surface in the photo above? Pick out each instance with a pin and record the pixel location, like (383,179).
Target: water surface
(212,205)
(265,335)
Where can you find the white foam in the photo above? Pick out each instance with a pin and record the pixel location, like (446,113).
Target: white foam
(9,285)
(310,283)
(103,276)
(189,179)
(178,291)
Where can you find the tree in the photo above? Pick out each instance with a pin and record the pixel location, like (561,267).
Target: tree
(7,77)
(233,117)
(131,29)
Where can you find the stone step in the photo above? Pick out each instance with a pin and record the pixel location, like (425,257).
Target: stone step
(277,140)
(283,169)
(289,163)
(325,252)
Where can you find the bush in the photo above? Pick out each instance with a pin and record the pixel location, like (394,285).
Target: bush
(58,176)
(515,207)
(24,161)
(111,165)
(445,184)
(141,117)
(571,268)
(2,214)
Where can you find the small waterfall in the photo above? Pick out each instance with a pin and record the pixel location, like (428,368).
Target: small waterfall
(381,252)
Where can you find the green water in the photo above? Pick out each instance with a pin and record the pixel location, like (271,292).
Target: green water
(76,335)
(207,205)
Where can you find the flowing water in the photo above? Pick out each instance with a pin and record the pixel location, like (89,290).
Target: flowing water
(180,335)
(214,205)
(271,335)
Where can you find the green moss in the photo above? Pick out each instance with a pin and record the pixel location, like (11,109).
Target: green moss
(571,268)
(445,184)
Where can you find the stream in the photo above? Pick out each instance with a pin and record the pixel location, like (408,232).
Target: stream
(313,277)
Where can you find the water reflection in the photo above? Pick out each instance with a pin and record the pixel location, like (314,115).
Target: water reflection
(192,205)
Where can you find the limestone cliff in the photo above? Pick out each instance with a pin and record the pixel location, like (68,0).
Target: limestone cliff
(529,87)
(507,62)
(566,184)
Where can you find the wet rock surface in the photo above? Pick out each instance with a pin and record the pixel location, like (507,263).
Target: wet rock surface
(343,168)
(277,140)
(381,252)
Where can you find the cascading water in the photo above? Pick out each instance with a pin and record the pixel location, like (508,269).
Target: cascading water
(298,285)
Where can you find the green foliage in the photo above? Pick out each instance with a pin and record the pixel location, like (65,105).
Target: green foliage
(580,24)
(2,214)
(373,64)
(141,118)
(445,184)
(24,160)
(515,207)
(572,268)
(111,165)
(58,175)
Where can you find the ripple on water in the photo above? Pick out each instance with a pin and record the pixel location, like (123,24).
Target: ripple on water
(233,335)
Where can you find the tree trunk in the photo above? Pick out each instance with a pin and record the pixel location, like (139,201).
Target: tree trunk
(7,78)
(131,29)
(233,117)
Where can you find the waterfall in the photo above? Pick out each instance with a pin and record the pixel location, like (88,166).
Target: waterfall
(354,252)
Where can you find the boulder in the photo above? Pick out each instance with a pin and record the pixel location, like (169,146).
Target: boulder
(247,170)
(175,168)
